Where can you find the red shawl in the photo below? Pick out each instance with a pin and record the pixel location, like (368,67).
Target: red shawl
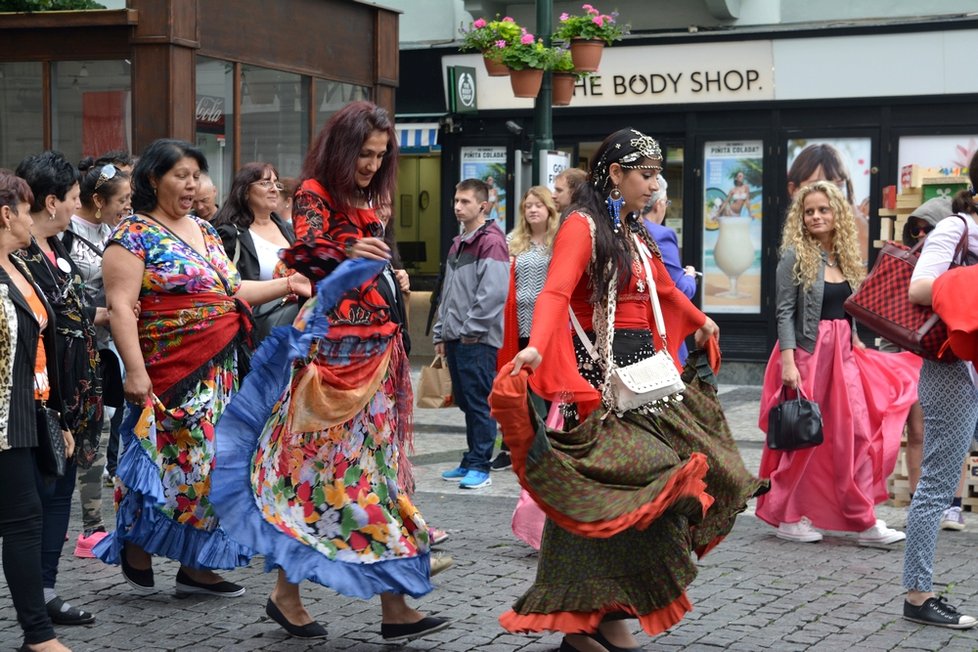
(182,334)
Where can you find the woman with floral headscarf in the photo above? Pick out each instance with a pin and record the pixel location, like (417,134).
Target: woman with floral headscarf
(622,491)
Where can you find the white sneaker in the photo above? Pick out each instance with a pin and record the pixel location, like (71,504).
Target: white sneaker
(952,519)
(879,534)
(802,531)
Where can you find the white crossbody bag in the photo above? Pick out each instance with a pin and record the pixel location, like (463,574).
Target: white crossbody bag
(649,383)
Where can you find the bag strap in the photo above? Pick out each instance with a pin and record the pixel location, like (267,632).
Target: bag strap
(660,323)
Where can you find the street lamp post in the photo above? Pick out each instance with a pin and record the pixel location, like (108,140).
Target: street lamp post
(542,117)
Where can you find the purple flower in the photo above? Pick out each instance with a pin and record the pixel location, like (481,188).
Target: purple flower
(479,24)
(564,16)
(501,43)
(526,39)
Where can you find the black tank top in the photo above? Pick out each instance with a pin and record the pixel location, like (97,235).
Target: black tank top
(834,296)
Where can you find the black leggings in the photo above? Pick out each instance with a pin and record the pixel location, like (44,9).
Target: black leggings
(20,528)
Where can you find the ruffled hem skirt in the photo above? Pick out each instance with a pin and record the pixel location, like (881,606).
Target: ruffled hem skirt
(628,501)
(261,525)
(141,522)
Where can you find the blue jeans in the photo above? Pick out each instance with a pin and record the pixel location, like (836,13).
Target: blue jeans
(472,367)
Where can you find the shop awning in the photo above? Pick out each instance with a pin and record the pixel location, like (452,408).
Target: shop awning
(418,137)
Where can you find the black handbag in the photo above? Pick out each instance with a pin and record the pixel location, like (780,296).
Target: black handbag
(794,424)
(51,452)
(280,312)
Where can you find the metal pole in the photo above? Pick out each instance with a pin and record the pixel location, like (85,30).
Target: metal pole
(542,118)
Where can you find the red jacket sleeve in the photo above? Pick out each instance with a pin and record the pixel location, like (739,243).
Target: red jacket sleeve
(557,377)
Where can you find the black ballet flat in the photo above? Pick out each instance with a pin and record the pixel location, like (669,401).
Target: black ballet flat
(140,580)
(425,626)
(309,630)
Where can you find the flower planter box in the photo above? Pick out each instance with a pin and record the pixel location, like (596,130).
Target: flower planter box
(495,68)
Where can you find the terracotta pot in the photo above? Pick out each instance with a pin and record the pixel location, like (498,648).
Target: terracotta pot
(495,68)
(586,54)
(526,83)
(563,88)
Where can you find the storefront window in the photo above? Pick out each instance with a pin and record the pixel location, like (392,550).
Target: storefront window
(274,118)
(21,112)
(215,119)
(331,96)
(91,110)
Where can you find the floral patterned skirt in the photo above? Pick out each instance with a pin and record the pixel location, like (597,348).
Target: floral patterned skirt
(335,490)
(163,500)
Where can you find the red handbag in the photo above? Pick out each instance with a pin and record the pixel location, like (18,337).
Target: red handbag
(883,305)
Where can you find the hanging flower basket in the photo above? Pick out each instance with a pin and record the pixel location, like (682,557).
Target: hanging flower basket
(563,88)
(495,68)
(526,82)
(586,54)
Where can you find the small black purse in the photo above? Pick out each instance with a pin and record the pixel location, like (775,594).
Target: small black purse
(794,424)
(51,453)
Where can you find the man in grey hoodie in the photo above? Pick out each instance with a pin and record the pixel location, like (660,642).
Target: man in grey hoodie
(469,329)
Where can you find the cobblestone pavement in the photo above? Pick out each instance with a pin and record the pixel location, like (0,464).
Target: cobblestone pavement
(754,592)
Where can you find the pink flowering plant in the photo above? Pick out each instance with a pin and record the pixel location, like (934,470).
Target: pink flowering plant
(490,37)
(527,52)
(592,25)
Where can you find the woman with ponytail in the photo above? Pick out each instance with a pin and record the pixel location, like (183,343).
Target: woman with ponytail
(628,496)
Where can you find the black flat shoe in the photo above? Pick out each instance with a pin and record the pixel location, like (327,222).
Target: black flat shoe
(140,580)
(70,616)
(599,638)
(309,630)
(402,632)
(189,586)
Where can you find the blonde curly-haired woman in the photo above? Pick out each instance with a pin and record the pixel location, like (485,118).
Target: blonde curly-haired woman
(864,395)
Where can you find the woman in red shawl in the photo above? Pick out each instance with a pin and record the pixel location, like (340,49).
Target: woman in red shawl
(622,492)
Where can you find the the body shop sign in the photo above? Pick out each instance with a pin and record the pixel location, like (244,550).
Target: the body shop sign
(660,74)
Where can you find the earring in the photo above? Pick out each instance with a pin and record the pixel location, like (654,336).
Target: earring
(98,214)
(52,217)
(614,202)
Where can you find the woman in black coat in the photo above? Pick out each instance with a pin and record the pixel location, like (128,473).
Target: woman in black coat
(25,316)
(253,234)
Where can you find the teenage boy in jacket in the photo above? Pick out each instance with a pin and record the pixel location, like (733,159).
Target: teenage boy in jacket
(469,330)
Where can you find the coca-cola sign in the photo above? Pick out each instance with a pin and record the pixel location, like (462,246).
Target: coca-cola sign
(210,114)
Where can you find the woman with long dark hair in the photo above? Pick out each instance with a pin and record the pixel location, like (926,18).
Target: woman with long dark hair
(334,511)
(629,495)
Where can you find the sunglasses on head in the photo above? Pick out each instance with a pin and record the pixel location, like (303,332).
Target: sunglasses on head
(918,230)
(107,172)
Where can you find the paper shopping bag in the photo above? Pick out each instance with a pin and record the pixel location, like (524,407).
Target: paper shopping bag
(435,387)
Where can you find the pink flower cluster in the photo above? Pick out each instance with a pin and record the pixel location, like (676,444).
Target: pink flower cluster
(480,23)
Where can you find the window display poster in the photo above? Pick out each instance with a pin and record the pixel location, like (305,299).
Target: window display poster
(846,162)
(733,174)
(937,151)
(489,165)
